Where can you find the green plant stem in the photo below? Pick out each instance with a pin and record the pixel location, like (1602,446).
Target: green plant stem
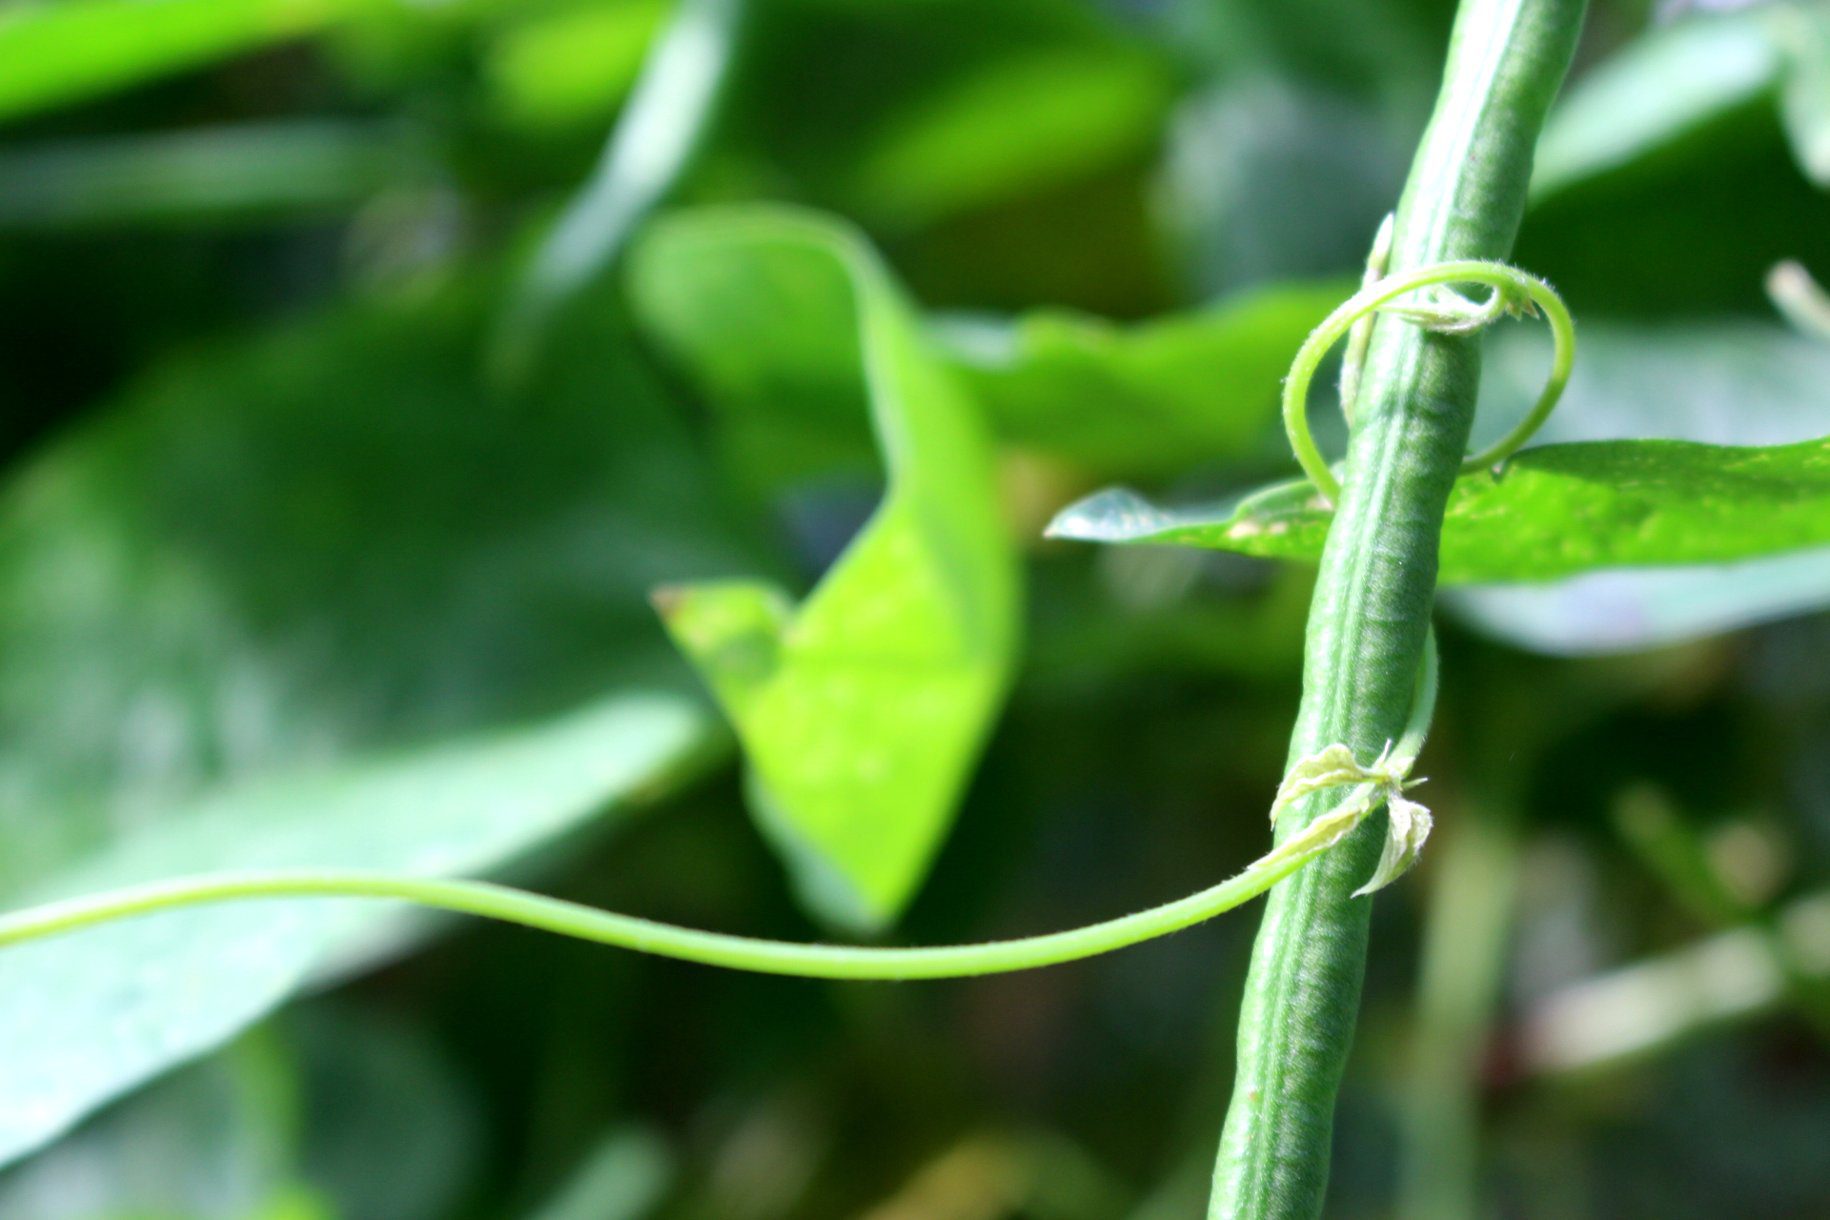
(1373,598)
(571,919)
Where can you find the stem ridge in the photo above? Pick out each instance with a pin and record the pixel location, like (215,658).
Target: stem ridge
(1374,594)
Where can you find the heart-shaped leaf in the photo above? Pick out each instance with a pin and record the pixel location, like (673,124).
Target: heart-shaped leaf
(863,710)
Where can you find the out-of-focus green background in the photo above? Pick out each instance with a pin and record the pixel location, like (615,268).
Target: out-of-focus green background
(358,399)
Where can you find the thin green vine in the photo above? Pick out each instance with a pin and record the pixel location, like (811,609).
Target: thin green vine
(1367,787)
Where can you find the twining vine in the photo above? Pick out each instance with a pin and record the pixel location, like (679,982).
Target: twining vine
(1365,787)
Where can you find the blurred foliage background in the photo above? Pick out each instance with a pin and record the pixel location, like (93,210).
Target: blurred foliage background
(359,404)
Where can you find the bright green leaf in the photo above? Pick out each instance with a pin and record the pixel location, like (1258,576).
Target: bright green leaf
(571,68)
(1556,511)
(52,54)
(862,710)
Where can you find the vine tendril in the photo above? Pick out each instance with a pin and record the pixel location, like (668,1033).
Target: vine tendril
(1514,292)
(538,911)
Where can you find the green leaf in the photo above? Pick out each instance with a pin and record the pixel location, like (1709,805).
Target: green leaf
(111,1007)
(55,54)
(1143,399)
(268,562)
(1672,81)
(216,1141)
(1121,400)
(1731,383)
(654,143)
(1556,511)
(1802,33)
(205,175)
(863,710)
(978,106)
(1030,120)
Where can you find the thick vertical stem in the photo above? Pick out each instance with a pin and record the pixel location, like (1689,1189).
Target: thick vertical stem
(1372,605)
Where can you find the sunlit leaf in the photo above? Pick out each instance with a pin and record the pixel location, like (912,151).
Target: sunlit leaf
(52,54)
(862,710)
(1153,397)
(1557,510)
(573,67)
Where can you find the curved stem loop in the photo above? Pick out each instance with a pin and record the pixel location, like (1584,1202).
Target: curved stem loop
(1512,289)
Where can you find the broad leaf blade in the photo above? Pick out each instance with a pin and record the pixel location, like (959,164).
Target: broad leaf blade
(863,710)
(331,545)
(54,54)
(1556,511)
(1668,83)
(1142,399)
(102,1010)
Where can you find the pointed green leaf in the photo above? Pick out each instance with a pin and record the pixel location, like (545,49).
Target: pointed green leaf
(863,709)
(54,54)
(1555,511)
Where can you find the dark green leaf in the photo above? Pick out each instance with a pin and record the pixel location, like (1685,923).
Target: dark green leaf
(333,545)
(1154,397)
(982,104)
(1671,81)
(1119,400)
